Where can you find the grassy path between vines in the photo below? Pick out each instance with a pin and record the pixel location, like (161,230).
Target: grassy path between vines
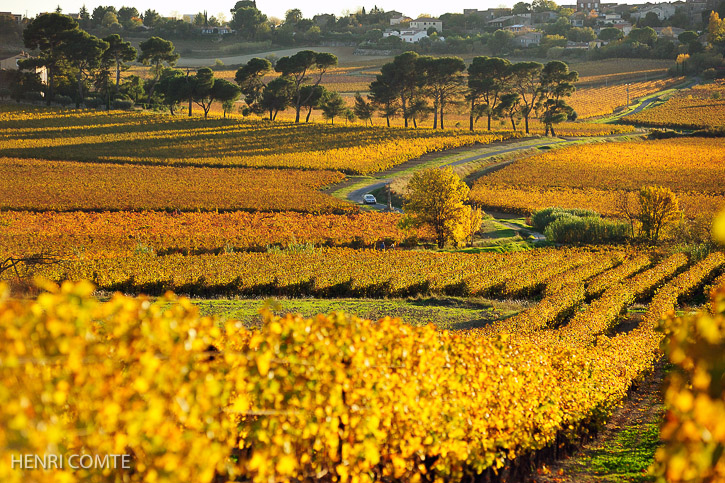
(453,313)
(624,449)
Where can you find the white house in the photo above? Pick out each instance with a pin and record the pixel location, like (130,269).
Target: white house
(413,36)
(577,45)
(610,18)
(518,28)
(410,36)
(216,30)
(424,23)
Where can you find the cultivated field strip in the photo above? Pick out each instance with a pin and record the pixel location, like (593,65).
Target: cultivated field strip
(78,234)
(609,278)
(41,185)
(561,308)
(604,312)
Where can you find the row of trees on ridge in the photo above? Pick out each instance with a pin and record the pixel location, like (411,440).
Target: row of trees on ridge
(414,87)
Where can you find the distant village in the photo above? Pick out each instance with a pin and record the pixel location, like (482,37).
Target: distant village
(542,24)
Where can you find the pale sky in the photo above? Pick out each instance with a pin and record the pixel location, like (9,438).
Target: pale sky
(275,8)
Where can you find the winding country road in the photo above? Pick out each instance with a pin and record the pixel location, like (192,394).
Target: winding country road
(356,195)
(362,186)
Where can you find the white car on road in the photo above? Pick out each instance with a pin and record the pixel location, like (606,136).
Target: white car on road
(369,199)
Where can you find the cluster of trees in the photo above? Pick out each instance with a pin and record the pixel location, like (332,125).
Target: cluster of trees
(202,89)
(109,17)
(249,22)
(73,57)
(644,42)
(297,86)
(698,59)
(414,86)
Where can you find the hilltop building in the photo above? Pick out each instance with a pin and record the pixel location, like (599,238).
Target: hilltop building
(425,23)
(588,5)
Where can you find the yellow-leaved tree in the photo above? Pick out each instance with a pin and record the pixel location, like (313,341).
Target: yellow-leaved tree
(658,208)
(715,29)
(436,197)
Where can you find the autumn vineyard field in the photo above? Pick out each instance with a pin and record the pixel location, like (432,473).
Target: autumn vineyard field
(597,176)
(148,139)
(121,232)
(701,107)
(603,101)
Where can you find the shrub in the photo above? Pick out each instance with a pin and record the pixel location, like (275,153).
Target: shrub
(662,134)
(123,104)
(63,100)
(588,229)
(92,102)
(34,96)
(555,53)
(543,218)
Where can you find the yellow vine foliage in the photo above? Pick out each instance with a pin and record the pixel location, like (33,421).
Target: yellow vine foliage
(328,272)
(718,228)
(694,429)
(299,398)
(124,377)
(594,176)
